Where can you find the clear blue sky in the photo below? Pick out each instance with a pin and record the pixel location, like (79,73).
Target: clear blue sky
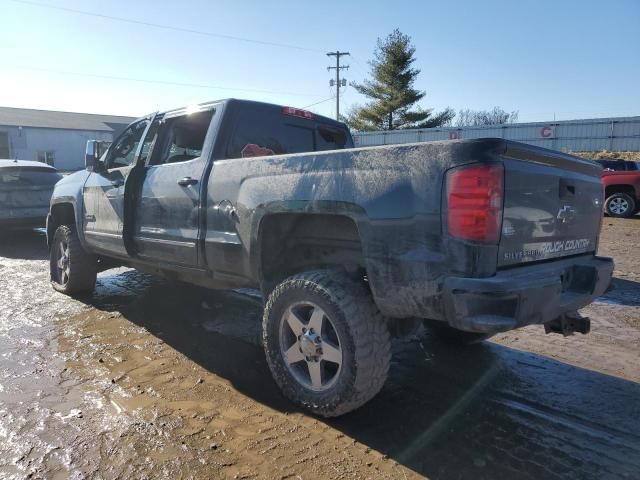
(574,59)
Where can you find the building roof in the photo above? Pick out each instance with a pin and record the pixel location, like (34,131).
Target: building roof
(26,117)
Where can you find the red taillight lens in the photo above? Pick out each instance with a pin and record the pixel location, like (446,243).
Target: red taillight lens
(474,202)
(297,112)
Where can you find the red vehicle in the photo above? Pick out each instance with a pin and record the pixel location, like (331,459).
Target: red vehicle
(621,192)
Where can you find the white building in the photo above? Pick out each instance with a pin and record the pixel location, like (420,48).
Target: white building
(56,138)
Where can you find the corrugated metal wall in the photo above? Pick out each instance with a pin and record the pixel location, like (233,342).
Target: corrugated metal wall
(614,134)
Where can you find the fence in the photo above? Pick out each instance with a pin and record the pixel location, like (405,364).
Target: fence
(614,134)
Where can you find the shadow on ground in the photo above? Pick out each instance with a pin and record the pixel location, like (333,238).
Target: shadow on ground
(24,244)
(481,412)
(621,292)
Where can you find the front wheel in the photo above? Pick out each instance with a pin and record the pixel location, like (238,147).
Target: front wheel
(326,343)
(620,205)
(72,270)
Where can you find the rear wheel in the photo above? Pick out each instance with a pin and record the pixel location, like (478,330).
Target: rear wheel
(326,343)
(72,269)
(620,205)
(453,336)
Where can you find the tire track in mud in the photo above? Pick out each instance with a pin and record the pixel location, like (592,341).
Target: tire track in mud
(157,379)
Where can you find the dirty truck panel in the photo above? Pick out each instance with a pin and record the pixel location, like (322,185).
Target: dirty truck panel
(481,236)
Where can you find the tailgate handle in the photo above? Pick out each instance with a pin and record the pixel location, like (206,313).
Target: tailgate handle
(566,189)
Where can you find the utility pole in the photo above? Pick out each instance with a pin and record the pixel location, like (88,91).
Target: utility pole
(338,54)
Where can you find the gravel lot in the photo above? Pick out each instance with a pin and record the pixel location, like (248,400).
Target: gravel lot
(155,379)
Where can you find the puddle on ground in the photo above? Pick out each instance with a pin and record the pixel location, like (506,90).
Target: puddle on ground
(150,378)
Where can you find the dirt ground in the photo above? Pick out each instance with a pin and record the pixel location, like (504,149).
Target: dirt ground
(605,154)
(151,379)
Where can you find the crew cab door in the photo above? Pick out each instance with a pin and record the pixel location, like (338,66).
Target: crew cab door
(104,191)
(167,215)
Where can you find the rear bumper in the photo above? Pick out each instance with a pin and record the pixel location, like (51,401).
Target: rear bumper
(525,295)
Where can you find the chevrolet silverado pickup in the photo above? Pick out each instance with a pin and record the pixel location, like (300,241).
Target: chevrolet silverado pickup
(476,236)
(622,191)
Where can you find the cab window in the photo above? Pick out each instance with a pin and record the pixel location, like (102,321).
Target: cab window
(123,152)
(331,138)
(181,139)
(149,141)
(267,134)
(262,131)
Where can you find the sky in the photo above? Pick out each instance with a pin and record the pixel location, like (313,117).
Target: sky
(546,59)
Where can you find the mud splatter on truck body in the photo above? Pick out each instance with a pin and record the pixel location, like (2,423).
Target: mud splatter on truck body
(483,235)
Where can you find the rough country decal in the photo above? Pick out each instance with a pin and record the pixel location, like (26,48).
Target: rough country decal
(550,248)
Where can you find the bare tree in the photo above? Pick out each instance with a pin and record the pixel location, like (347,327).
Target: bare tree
(474,118)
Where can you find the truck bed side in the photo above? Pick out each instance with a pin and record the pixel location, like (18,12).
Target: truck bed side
(392,194)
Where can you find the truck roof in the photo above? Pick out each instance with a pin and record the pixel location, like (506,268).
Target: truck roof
(235,101)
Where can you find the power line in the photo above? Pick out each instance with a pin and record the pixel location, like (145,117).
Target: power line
(160,82)
(360,66)
(166,27)
(321,101)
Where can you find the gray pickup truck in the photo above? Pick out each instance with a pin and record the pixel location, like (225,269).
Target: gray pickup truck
(476,237)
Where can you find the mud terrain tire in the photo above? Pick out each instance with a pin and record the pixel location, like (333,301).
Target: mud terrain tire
(72,270)
(359,332)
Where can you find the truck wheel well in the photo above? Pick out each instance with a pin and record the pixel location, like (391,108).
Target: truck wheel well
(628,189)
(61,214)
(295,243)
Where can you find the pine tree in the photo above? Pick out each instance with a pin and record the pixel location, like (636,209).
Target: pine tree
(392,92)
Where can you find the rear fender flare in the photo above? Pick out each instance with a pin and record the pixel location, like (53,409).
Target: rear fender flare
(348,210)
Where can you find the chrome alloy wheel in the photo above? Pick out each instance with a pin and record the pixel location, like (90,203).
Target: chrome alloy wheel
(619,206)
(310,346)
(62,262)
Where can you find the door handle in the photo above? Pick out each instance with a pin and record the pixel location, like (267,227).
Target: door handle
(186,181)
(117,183)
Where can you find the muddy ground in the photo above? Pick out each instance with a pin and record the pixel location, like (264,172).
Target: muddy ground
(151,379)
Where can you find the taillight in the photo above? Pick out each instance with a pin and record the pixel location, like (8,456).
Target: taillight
(474,202)
(297,112)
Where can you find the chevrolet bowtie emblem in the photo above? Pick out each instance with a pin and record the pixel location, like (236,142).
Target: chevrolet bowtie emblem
(566,214)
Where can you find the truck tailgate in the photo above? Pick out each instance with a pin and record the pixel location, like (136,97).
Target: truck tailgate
(552,205)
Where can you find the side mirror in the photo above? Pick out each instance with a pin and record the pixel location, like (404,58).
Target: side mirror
(91,155)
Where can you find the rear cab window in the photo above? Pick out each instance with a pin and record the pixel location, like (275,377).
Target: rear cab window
(261,130)
(618,165)
(28,177)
